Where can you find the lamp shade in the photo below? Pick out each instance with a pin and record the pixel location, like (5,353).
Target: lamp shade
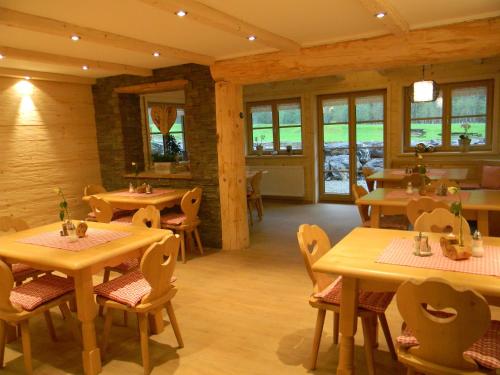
(424,91)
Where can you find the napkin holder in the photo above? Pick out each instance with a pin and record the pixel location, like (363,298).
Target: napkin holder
(141,189)
(81,229)
(451,249)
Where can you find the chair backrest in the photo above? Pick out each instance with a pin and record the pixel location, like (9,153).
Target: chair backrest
(441,220)
(11,223)
(417,207)
(443,339)
(490,177)
(190,205)
(7,282)
(363,209)
(148,217)
(255,183)
(367,171)
(93,189)
(313,244)
(157,266)
(102,210)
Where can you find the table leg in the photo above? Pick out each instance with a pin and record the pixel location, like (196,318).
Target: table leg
(86,312)
(483,225)
(348,325)
(375,216)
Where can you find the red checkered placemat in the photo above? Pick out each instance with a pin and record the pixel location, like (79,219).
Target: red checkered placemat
(400,252)
(155,193)
(93,238)
(402,194)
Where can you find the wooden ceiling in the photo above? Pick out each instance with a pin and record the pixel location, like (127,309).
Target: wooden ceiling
(119,36)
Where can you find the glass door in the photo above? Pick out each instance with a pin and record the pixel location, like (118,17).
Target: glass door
(351,136)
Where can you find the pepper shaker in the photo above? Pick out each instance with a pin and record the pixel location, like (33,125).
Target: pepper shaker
(477,244)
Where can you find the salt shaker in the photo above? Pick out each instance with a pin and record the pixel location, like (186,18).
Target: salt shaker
(409,188)
(477,244)
(130,187)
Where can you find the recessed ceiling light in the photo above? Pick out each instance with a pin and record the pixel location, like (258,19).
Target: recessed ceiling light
(156,54)
(85,67)
(27,78)
(1,56)
(75,38)
(251,38)
(380,14)
(181,13)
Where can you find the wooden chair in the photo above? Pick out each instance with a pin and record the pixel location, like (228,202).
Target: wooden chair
(143,292)
(92,189)
(441,220)
(438,342)
(20,271)
(17,306)
(417,207)
(386,221)
(148,217)
(367,171)
(186,223)
(254,197)
(103,212)
(314,243)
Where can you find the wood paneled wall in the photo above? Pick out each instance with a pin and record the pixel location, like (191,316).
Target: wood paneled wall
(393,81)
(48,140)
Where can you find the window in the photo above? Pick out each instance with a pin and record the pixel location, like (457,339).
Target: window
(158,140)
(275,125)
(440,123)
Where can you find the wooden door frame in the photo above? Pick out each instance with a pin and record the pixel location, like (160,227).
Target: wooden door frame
(350,96)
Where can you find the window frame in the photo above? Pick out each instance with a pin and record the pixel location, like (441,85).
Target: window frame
(183,132)
(446,116)
(275,126)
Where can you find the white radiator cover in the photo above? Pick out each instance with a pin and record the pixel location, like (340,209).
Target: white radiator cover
(286,181)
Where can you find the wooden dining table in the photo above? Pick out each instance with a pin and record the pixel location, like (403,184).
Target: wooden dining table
(133,201)
(354,258)
(476,204)
(81,265)
(390,177)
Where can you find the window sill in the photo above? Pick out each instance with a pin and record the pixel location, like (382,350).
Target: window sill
(153,174)
(278,156)
(448,153)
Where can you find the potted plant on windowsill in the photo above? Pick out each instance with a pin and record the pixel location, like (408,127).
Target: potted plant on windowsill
(259,146)
(163,163)
(463,139)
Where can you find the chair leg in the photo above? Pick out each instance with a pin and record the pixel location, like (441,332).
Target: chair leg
(70,322)
(108,320)
(183,246)
(410,371)
(318,331)
(50,325)
(173,322)
(336,318)
(3,335)
(388,337)
(143,328)
(198,240)
(26,341)
(125,319)
(368,344)
(260,208)
(249,204)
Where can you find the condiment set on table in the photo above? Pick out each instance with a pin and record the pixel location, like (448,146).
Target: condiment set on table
(72,232)
(140,189)
(450,246)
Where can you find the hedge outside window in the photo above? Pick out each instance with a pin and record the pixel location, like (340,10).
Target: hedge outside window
(439,123)
(158,140)
(275,125)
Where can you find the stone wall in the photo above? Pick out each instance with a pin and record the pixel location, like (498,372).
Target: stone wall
(119,135)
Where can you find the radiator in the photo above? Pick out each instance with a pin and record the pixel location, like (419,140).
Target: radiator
(286,181)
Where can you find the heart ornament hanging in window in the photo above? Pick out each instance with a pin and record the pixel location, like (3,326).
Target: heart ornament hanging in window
(163,116)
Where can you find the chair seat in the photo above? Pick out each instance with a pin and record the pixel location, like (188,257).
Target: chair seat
(391,222)
(485,351)
(37,292)
(372,301)
(23,271)
(127,266)
(173,218)
(127,289)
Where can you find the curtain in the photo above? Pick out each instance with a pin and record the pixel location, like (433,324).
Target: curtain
(163,116)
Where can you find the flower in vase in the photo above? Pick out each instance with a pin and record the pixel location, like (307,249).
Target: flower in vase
(63,205)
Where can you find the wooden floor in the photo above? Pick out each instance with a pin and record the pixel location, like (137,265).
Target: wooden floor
(242,312)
